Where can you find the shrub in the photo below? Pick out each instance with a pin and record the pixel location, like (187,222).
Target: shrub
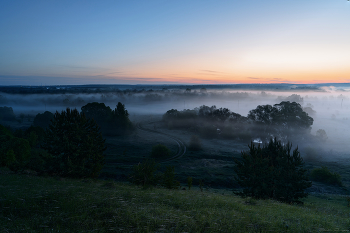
(195,144)
(160,151)
(272,172)
(145,174)
(76,145)
(324,175)
(189,182)
(169,181)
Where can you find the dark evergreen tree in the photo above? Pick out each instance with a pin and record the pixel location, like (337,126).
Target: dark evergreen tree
(76,145)
(272,171)
(14,151)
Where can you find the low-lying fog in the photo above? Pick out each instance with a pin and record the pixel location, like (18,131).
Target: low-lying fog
(331,105)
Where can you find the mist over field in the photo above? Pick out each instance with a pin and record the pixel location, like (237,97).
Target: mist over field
(328,105)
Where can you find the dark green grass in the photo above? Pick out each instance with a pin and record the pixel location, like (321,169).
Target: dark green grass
(36,204)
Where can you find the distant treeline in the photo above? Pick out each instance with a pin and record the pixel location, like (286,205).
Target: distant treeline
(283,120)
(77,89)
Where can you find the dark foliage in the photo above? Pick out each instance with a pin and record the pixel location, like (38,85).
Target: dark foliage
(272,171)
(145,174)
(168,178)
(7,114)
(43,119)
(14,151)
(283,120)
(207,121)
(112,122)
(324,175)
(160,151)
(76,145)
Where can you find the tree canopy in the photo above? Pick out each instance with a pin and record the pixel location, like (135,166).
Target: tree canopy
(282,120)
(43,119)
(76,145)
(112,122)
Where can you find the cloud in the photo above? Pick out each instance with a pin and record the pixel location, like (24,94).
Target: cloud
(211,72)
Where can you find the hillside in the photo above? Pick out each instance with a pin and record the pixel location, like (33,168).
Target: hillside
(37,204)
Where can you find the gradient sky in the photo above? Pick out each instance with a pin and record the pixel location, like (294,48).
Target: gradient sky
(165,42)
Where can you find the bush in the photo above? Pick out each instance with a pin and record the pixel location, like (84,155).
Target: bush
(324,175)
(76,145)
(160,151)
(195,144)
(272,172)
(169,181)
(145,174)
(189,182)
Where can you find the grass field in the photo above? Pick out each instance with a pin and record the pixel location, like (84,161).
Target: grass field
(37,204)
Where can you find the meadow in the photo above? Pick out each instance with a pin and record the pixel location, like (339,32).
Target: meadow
(46,204)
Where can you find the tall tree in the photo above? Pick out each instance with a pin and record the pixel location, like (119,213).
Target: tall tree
(76,145)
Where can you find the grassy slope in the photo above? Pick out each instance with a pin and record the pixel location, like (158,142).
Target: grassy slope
(37,204)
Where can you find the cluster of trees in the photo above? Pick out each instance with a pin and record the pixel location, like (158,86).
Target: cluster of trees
(71,146)
(68,144)
(283,120)
(206,121)
(112,122)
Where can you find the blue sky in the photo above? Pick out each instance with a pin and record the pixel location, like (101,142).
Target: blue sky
(131,42)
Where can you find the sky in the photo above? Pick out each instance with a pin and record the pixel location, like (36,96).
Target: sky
(174,42)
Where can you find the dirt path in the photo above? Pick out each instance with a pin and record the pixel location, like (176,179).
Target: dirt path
(181,146)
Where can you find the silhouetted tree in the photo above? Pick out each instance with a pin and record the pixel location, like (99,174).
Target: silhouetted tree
(145,174)
(112,122)
(76,145)
(43,119)
(272,171)
(14,151)
(7,114)
(281,120)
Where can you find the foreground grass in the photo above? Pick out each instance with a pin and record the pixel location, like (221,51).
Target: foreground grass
(36,204)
